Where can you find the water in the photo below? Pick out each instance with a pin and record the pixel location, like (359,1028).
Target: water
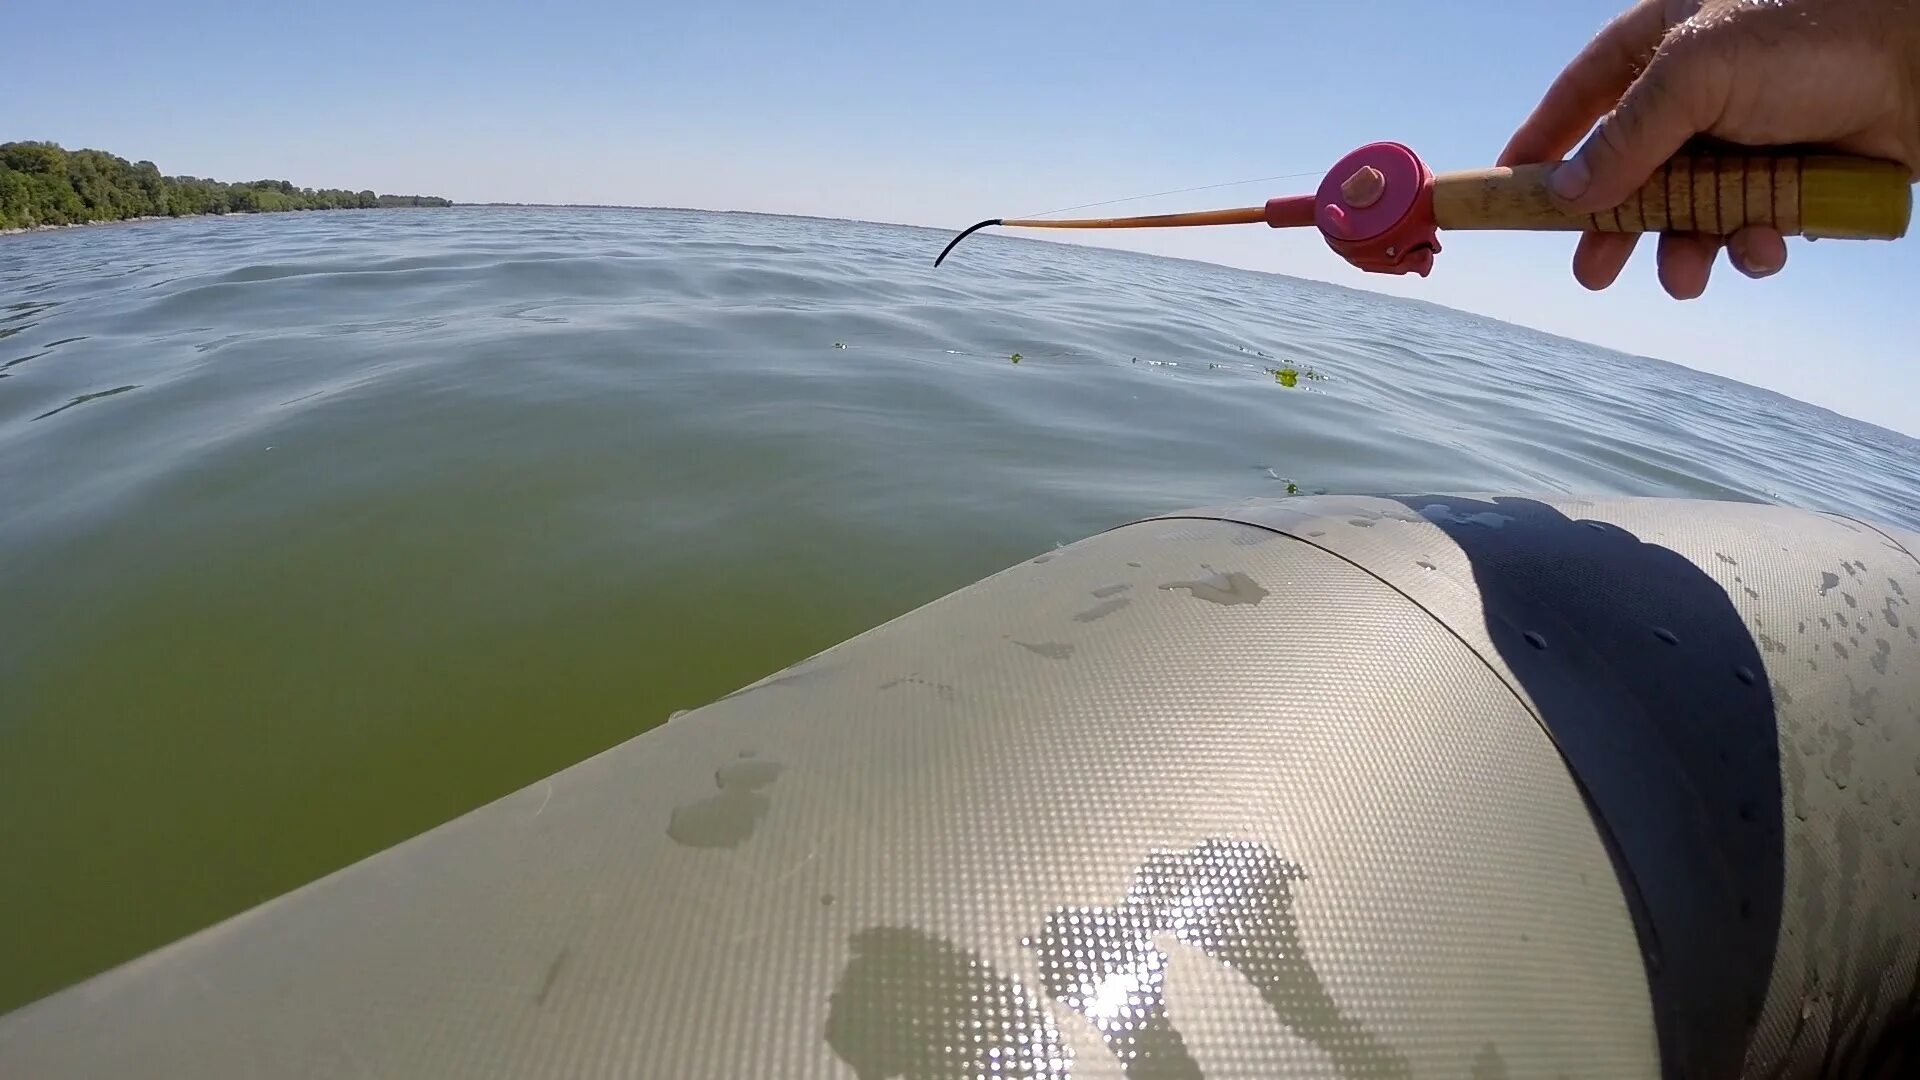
(320,529)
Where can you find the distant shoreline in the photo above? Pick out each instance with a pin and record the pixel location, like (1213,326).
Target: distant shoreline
(84,224)
(17,231)
(43,184)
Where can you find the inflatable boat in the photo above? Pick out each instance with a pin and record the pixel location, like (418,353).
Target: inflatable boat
(1429,786)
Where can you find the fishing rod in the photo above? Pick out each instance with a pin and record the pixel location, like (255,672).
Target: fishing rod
(1381,208)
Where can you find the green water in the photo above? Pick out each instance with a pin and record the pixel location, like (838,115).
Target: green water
(316,530)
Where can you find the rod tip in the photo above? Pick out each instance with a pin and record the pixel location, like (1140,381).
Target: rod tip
(955,242)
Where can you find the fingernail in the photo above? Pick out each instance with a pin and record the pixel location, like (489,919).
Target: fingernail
(1744,262)
(1569,179)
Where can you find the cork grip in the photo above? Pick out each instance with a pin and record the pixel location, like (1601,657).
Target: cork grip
(1699,192)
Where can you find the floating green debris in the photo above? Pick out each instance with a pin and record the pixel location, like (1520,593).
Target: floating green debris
(1291,376)
(1293,488)
(1015,358)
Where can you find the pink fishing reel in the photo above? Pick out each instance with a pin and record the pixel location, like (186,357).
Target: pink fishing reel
(1375,207)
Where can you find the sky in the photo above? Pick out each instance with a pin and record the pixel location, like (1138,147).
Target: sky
(937,114)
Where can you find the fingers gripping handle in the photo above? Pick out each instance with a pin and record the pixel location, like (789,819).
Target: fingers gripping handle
(1699,192)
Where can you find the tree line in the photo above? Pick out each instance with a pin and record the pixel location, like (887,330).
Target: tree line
(42,184)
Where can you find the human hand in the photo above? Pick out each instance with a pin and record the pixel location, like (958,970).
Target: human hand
(1838,73)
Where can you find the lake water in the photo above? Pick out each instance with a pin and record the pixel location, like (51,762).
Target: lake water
(316,530)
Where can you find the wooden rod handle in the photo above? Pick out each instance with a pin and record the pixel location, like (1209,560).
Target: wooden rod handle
(1701,191)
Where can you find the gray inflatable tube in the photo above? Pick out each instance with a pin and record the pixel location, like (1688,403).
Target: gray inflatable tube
(1436,786)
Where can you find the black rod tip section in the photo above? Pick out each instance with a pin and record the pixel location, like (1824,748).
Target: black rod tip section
(955,242)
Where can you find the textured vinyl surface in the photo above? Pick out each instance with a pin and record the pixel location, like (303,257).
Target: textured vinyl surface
(1186,799)
(1737,688)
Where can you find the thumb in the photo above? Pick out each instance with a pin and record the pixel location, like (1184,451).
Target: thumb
(1678,96)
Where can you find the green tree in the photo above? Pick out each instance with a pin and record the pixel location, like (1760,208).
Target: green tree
(42,184)
(16,200)
(153,187)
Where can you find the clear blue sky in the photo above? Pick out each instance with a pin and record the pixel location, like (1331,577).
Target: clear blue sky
(937,115)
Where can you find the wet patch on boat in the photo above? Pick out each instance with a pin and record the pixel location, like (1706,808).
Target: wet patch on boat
(1101,610)
(912,1004)
(1052,650)
(1230,899)
(941,690)
(727,819)
(1232,587)
(1442,514)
